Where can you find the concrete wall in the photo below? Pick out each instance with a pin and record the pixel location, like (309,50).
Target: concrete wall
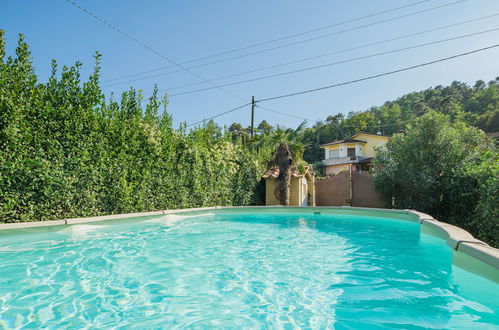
(270,198)
(364,194)
(335,191)
(296,192)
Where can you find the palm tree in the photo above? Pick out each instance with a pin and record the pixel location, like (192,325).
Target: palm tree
(288,151)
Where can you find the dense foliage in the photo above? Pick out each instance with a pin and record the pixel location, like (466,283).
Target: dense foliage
(443,164)
(66,152)
(447,169)
(476,105)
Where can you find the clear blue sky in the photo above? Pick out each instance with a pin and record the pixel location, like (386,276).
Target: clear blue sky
(184,30)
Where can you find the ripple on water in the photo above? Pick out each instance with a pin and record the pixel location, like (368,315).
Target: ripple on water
(236,271)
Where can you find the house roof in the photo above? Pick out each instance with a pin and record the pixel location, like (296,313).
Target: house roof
(365,160)
(273,172)
(342,141)
(373,134)
(351,139)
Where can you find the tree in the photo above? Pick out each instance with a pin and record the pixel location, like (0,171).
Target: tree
(477,105)
(360,122)
(237,131)
(288,150)
(264,127)
(282,160)
(430,168)
(485,179)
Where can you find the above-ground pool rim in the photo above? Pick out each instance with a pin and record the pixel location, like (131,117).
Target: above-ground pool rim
(457,238)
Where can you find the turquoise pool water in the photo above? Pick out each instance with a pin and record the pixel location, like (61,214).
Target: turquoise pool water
(236,270)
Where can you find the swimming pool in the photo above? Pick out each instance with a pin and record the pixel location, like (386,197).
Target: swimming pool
(240,269)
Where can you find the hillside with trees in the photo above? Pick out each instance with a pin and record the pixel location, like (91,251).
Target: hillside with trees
(476,105)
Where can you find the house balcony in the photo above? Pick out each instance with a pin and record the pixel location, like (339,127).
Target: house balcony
(343,160)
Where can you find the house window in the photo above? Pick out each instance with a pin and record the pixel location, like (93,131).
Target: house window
(351,152)
(334,153)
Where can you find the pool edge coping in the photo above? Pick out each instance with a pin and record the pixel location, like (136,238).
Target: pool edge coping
(456,238)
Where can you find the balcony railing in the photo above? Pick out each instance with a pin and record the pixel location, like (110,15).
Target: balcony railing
(342,160)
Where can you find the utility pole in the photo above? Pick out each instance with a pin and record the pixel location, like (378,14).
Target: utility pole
(252,116)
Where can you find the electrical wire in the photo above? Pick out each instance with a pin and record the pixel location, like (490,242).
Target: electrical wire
(337,62)
(152,50)
(354,81)
(378,75)
(242,106)
(308,31)
(303,59)
(220,114)
(293,43)
(277,39)
(378,125)
(281,113)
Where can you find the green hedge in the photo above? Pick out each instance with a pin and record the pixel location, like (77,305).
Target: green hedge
(67,152)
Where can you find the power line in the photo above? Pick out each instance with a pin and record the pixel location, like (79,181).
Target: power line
(327,54)
(281,113)
(220,114)
(308,31)
(337,62)
(307,58)
(378,75)
(293,43)
(293,116)
(140,43)
(277,39)
(164,57)
(242,106)
(377,125)
(356,80)
(358,125)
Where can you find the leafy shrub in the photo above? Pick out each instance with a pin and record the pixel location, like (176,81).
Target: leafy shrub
(446,169)
(67,152)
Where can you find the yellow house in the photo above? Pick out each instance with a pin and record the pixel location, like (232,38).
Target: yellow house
(301,190)
(355,152)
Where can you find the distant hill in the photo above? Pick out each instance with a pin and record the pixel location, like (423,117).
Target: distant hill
(477,105)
